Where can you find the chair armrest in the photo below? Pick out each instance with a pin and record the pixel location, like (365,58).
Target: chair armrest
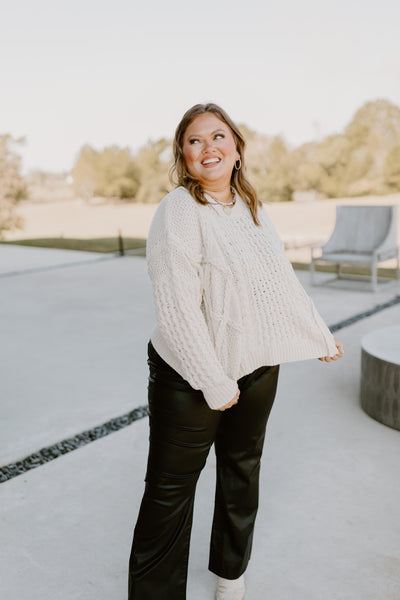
(384,253)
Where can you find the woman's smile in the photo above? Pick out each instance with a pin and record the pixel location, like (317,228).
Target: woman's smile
(210,162)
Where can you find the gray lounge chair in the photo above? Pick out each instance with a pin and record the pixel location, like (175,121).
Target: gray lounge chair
(363,235)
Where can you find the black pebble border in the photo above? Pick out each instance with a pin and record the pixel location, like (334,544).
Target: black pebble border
(51,452)
(364,315)
(45,455)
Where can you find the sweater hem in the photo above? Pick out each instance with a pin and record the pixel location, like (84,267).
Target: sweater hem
(290,352)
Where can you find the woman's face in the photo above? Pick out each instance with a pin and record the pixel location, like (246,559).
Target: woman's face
(209,150)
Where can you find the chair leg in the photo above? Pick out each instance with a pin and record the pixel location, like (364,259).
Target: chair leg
(312,271)
(374,279)
(398,265)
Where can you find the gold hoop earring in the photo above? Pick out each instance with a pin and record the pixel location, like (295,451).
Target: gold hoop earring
(238,167)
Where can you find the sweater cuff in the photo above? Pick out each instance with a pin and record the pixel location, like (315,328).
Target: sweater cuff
(219,395)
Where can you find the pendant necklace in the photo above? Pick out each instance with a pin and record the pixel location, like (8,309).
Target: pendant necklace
(226,206)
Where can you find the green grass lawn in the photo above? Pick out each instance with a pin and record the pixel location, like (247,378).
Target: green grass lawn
(346,270)
(87,245)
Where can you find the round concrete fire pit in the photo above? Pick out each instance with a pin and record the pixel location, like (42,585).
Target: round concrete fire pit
(380,375)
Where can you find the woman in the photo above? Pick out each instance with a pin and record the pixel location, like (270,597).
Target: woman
(229,310)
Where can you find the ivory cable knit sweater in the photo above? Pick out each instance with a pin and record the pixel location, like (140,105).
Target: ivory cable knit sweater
(226,297)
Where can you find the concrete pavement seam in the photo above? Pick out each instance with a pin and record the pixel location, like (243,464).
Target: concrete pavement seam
(134,251)
(75,263)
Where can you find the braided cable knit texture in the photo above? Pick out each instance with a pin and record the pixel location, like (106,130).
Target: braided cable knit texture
(226,297)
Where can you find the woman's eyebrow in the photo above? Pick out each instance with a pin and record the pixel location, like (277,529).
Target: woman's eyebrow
(219,130)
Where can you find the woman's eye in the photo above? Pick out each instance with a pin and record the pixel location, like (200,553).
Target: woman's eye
(193,141)
(219,136)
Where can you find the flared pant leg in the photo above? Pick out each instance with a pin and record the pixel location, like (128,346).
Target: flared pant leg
(182,430)
(238,448)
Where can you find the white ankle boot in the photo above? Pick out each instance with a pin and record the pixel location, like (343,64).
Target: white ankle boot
(230,589)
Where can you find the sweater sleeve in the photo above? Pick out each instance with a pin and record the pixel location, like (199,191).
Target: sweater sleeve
(174,266)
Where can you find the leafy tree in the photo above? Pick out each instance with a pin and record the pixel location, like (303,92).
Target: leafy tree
(391,169)
(117,173)
(84,172)
(372,133)
(350,163)
(153,163)
(107,173)
(256,158)
(276,185)
(12,185)
(267,159)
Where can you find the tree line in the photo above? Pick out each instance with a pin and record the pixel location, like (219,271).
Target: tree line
(13,187)
(363,159)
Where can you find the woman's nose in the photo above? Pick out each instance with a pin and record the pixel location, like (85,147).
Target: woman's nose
(208,145)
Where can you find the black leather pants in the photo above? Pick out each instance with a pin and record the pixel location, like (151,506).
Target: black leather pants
(182,431)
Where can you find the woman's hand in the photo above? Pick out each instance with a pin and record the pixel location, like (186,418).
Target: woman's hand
(340,353)
(232,402)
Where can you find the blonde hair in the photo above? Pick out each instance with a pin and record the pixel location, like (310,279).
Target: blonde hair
(238,178)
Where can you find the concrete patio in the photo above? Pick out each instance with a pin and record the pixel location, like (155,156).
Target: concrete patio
(73,355)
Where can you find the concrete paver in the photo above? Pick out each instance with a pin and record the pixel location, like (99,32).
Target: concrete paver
(328,524)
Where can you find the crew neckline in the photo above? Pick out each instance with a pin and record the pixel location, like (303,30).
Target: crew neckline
(220,208)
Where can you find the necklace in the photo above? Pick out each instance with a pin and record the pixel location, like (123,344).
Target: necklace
(226,206)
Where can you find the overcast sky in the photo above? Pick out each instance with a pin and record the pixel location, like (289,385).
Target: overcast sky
(120,72)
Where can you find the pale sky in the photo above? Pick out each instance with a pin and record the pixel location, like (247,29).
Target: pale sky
(121,72)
